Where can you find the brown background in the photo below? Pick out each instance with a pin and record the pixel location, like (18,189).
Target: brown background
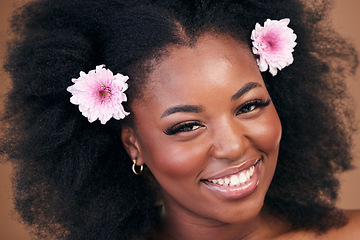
(346,19)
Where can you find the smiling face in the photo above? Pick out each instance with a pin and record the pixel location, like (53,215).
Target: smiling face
(208,132)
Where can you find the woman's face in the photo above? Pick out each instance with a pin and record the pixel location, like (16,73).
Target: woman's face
(208,131)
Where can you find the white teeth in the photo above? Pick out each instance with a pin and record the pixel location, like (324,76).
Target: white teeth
(242,178)
(248,174)
(236,179)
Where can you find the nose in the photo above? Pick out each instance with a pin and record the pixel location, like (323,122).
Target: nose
(229,140)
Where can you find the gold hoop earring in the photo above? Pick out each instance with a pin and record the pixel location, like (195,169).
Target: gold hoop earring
(134,170)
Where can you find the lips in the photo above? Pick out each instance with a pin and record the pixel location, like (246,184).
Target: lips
(238,182)
(235,179)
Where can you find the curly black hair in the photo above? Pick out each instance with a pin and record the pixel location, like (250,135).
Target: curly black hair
(73,179)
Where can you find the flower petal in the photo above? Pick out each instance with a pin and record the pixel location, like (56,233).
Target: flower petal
(99,94)
(274,44)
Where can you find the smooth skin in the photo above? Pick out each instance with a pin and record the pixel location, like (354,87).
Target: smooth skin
(204,115)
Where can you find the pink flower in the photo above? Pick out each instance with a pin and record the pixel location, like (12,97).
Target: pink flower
(274,43)
(99,94)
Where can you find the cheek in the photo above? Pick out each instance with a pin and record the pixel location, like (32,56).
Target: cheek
(175,159)
(267,133)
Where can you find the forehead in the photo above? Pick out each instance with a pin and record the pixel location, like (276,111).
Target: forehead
(190,73)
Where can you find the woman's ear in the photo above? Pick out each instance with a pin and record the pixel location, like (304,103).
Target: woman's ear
(131,144)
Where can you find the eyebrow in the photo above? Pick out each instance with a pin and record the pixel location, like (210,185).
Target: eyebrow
(182,108)
(246,88)
(197,109)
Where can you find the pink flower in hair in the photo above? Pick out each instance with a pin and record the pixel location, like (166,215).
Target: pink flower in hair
(100,94)
(274,43)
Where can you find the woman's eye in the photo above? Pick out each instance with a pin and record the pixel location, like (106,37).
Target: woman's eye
(183,127)
(252,105)
(248,108)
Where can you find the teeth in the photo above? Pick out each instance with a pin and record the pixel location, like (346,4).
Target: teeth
(242,177)
(236,179)
(252,169)
(248,175)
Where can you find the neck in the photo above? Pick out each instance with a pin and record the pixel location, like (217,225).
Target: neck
(184,226)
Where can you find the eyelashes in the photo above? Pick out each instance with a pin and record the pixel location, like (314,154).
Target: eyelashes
(183,127)
(190,126)
(252,105)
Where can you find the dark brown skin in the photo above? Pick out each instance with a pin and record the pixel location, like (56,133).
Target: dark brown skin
(222,135)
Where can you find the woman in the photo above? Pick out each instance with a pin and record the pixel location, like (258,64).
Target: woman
(183,135)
